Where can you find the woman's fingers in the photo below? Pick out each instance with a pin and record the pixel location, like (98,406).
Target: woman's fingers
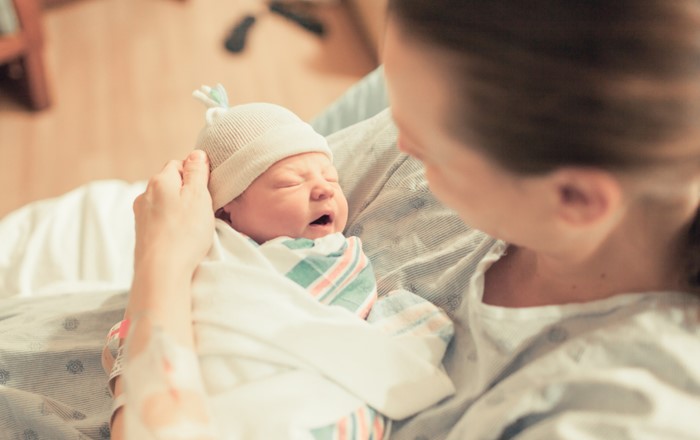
(196,170)
(174,218)
(164,185)
(170,177)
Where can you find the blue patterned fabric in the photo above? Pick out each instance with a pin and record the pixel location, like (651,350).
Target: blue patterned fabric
(52,385)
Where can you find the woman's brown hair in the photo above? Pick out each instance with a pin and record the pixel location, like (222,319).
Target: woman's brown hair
(542,84)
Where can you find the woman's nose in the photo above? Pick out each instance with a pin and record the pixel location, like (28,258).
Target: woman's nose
(322,190)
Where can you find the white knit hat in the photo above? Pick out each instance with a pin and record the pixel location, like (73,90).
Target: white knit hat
(243,141)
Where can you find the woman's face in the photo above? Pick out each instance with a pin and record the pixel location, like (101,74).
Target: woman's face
(485,195)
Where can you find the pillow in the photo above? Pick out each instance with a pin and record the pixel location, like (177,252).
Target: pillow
(414,242)
(362,100)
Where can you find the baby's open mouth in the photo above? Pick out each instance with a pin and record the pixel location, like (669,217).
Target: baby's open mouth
(323,220)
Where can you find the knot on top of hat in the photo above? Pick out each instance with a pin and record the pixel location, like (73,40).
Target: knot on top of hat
(243,141)
(212,97)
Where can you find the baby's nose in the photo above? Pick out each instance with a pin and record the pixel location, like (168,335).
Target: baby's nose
(323,190)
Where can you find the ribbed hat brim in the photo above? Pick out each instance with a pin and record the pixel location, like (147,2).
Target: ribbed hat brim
(235,174)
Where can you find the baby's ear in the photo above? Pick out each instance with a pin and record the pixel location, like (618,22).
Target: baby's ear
(222,214)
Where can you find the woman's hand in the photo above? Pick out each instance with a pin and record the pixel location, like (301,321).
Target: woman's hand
(174,231)
(174,218)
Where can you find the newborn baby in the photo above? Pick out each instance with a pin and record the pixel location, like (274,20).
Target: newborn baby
(273,180)
(291,340)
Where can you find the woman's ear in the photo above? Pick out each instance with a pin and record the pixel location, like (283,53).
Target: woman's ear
(586,196)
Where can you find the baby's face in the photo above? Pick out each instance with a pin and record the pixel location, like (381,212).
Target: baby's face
(297,197)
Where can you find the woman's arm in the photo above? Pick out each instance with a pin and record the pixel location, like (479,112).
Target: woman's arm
(174,229)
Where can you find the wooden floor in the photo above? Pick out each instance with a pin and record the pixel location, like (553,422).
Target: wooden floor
(121,74)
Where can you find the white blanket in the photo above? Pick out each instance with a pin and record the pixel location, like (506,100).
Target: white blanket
(82,241)
(284,363)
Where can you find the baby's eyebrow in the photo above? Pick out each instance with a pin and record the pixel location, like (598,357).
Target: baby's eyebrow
(291,168)
(286,176)
(302,171)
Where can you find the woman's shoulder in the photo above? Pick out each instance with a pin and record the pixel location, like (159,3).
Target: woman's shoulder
(627,368)
(643,330)
(638,359)
(655,315)
(656,330)
(645,342)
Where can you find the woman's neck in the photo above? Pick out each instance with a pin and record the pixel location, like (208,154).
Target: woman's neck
(641,254)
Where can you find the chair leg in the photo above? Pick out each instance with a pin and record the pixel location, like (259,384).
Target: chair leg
(35,78)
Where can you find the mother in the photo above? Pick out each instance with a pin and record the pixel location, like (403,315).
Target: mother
(568,130)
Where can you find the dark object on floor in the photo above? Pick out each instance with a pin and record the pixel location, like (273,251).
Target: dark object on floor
(307,21)
(296,11)
(235,42)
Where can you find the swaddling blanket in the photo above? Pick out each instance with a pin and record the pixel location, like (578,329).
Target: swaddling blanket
(279,363)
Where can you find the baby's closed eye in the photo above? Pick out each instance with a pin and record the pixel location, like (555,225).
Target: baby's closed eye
(331,175)
(288,183)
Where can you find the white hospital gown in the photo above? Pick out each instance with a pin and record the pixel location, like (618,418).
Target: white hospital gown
(627,367)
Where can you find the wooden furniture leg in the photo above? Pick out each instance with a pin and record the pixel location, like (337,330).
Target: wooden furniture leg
(26,47)
(35,78)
